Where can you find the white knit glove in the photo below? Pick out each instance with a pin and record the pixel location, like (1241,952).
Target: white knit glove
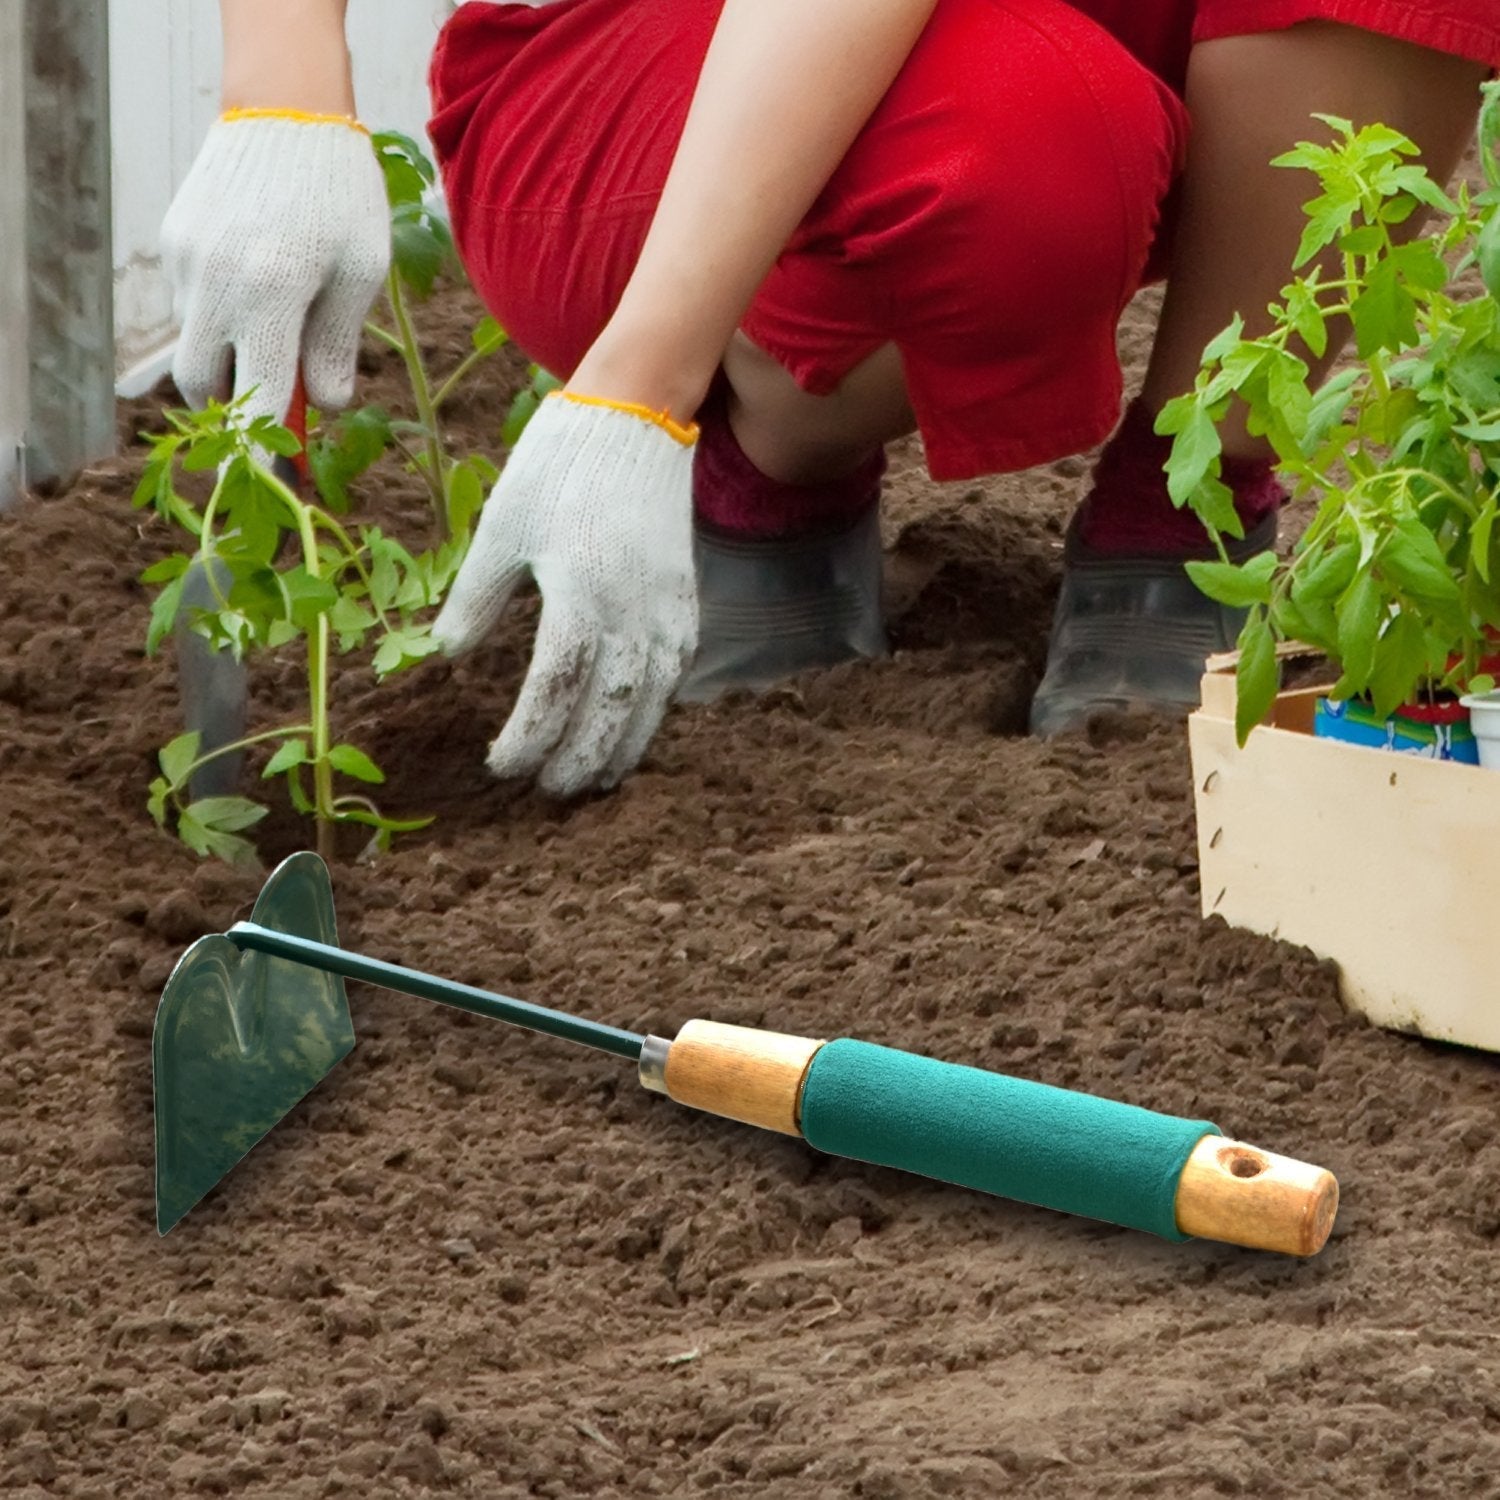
(276,243)
(595,504)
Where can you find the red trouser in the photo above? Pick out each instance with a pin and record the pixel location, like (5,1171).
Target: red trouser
(992,219)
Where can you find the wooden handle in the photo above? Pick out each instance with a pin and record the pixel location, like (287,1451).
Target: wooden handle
(740,1073)
(1245,1196)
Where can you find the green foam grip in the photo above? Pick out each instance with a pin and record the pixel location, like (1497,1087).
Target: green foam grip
(1006,1136)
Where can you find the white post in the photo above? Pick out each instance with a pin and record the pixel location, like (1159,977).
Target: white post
(15,355)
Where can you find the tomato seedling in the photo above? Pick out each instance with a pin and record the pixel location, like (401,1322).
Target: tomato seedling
(1396,577)
(285,570)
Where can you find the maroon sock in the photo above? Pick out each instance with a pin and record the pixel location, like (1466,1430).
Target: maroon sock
(731,494)
(1128,509)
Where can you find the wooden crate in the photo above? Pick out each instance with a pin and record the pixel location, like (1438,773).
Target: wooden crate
(1387,864)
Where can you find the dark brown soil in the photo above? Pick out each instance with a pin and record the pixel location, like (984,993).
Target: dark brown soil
(481,1263)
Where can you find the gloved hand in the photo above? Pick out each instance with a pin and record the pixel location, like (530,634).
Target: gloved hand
(276,243)
(595,503)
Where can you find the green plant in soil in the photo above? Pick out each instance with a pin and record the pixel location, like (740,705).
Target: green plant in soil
(293,575)
(1396,577)
(337,589)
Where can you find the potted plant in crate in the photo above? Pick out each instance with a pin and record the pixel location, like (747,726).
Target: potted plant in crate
(1396,578)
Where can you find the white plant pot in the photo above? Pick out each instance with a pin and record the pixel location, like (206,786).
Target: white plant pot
(1484,718)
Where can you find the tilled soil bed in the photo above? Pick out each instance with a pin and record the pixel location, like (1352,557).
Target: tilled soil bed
(478,1262)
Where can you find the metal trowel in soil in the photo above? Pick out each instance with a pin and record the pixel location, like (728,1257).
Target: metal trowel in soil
(253,1019)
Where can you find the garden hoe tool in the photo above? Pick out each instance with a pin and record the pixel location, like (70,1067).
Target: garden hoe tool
(211,682)
(254,1018)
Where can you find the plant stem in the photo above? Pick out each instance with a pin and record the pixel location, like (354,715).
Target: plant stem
(355,558)
(421,390)
(284,733)
(451,384)
(383,335)
(317,684)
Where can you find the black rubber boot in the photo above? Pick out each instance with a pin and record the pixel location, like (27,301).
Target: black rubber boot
(770,609)
(1132,632)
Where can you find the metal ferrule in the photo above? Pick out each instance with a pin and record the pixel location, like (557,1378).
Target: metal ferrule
(654,1063)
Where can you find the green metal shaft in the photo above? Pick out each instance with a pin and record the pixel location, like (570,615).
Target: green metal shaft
(478,1002)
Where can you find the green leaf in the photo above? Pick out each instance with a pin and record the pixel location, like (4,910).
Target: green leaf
(522,409)
(233,850)
(1384,314)
(1365,240)
(1489,132)
(1305,315)
(307,596)
(209,451)
(1329,404)
(204,840)
(1238,587)
(1420,265)
(253,511)
(350,447)
(465,497)
(1413,181)
(193,833)
(1360,613)
(1289,398)
(1222,342)
(156,477)
(1292,622)
(164,613)
(298,793)
(290,753)
(349,620)
(1328,576)
(379,820)
(272,436)
(1397,210)
(1338,125)
(176,757)
(167,569)
(1480,539)
(421,247)
(488,336)
(156,803)
(402,648)
(396,581)
(385,576)
(255,593)
(1400,664)
(226,814)
(1195,447)
(1328,216)
(355,763)
(1213,503)
(408,172)
(1305,154)
(1411,558)
(1258,675)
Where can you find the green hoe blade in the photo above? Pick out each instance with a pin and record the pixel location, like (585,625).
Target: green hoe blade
(240,1037)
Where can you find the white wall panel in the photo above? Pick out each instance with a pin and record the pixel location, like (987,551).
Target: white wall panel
(164,88)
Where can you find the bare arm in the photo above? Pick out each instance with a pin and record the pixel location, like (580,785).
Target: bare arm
(286,54)
(785,88)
